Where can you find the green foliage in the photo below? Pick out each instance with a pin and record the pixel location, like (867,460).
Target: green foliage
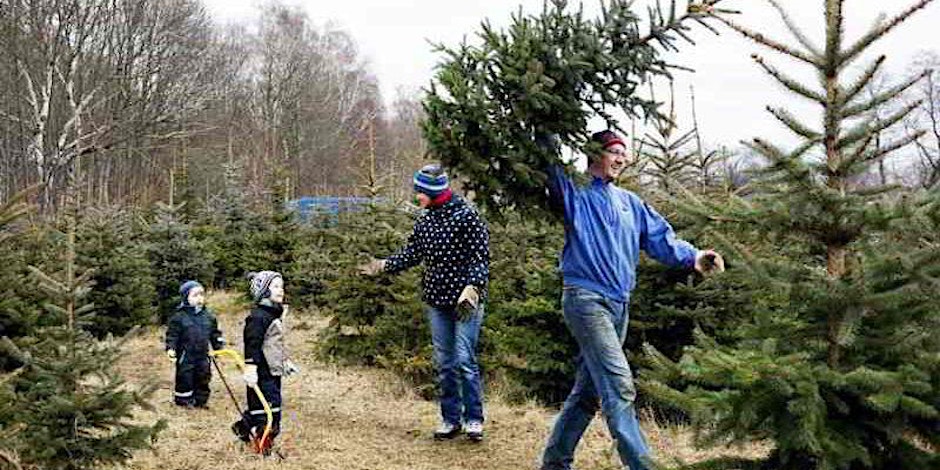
(17,313)
(525,339)
(544,74)
(375,320)
(123,288)
(836,363)
(8,458)
(175,257)
(69,409)
(313,268)
(232,226)
(74,412)
(19,310)
(669,160)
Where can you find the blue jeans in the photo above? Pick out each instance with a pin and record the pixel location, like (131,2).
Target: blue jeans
(455,356)
(603,381)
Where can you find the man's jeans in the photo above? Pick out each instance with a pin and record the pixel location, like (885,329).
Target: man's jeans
(600,327)
(455,346)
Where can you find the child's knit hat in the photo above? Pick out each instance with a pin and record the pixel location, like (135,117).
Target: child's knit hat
(259,283)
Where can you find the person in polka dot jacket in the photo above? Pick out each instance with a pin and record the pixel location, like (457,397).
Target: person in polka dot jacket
(452,241)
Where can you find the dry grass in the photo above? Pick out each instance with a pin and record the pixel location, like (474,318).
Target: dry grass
(352,418)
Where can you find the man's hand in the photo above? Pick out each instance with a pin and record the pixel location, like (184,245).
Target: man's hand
(709,261)
(171,353)
(467,302)
(372,267)
(250,375)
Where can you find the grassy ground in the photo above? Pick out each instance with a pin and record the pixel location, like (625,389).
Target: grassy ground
(353,418)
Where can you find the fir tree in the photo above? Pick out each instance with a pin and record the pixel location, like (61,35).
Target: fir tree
(669,159)
(525,340)
(546,74)
(123,292)
(281,236)
(8,457)
(377,320)
(705,164)
(175,257)
(69,408)
(234,233)
(18,315)
(840,369)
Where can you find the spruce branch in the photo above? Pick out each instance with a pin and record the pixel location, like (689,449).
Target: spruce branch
(853,90)
(765,41)
(881,98)
(788,82)
(874,126)
(795,30)
(789,120)
(877,33)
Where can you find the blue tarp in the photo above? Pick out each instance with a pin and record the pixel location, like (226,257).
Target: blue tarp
(327,208)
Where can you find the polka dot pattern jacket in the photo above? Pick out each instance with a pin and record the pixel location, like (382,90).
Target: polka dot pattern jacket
(453,242)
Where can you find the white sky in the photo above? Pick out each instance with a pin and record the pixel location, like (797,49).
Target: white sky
(731,91)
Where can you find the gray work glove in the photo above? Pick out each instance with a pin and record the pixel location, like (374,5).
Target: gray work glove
(467,303)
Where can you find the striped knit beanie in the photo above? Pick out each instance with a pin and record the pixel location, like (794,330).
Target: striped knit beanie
(431,180)
(259,283)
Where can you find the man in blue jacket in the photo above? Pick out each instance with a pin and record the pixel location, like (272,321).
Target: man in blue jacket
(605,229)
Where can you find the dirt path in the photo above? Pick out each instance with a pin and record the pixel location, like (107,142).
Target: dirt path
(346,418)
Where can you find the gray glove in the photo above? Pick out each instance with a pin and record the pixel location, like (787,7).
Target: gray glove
(467,303)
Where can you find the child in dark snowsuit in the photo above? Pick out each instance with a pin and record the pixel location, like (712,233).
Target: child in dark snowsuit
(266,357)
(188,337)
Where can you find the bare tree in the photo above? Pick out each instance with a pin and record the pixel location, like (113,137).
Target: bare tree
(927,116)
(98,78)
(312,100)
(407,149)
(125,95)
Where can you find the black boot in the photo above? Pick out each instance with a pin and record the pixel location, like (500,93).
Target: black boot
(242,430)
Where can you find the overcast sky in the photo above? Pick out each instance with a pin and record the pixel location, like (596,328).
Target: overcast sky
(731,92)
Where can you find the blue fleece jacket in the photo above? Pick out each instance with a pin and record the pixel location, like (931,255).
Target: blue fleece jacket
(605,229)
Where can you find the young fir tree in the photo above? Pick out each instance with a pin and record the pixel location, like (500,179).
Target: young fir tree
(17,314)
(706,165)
(175,257)
(670,160)
(278,239)
(546,74)
(525,341)
(123,292)
(841,371)
(69,408)
(233,232)
(376,320)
